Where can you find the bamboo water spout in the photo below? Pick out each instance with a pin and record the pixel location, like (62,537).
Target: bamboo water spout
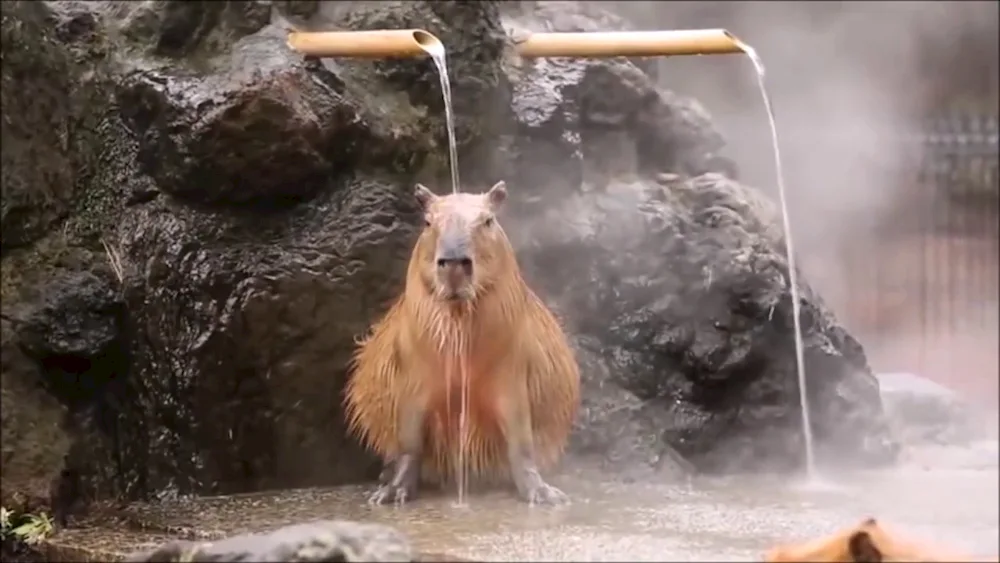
(411,43)
(603,44)
(377,44)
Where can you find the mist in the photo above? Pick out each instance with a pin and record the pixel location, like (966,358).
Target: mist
(851,83)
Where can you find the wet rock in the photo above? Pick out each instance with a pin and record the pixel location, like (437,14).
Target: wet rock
(176,28)
(618,430)
(74,21)
(245,312)
(256,336)
(34,439)
(298,8)
(546,113)
(922,411)
(38,167)
(684,286)
(569,16)
(52,112)
(599,119)
(680,277)
(74,333)
(313,541)
(67,347)
(265,130)
(476,42)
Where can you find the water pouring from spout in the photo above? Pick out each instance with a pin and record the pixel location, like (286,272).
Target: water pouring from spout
(800,367)
(433,47)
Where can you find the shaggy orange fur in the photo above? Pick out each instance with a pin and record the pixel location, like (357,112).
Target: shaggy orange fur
(868,541)
(517,358)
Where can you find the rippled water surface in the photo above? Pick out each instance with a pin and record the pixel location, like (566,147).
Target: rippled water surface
(737,518)
(946,495)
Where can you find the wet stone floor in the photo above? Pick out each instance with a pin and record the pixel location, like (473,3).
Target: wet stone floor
(947,494)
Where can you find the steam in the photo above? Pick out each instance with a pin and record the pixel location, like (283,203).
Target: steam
(850,83)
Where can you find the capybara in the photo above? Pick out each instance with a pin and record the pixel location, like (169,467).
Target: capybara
(465,309)
(868,541)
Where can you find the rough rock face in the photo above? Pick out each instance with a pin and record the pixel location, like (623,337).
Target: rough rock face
(58,313)
(680,282)
(682,286)
(35,194)
(312,541)
(236,216)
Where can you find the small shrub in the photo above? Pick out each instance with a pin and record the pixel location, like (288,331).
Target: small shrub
(29,529)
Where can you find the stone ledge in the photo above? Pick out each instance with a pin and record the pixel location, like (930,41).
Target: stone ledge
(239,525)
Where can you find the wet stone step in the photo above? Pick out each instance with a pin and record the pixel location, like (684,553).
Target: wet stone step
(313,541)
(299,525)
(935,492)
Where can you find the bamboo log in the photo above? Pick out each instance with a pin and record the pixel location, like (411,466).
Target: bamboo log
(404,43)
(602,44)
(378,44)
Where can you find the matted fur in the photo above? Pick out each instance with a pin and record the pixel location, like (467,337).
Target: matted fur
(508,340)
(868,541)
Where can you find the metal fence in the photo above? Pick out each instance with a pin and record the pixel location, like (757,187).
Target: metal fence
(931,276)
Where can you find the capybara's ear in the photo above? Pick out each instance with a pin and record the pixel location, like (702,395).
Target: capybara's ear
(424,196)
(497,194)
(862,549)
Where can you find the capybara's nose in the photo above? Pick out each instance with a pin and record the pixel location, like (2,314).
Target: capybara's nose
(451,263)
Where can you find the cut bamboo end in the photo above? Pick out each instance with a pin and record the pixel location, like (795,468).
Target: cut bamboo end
(602,44)
(377,44)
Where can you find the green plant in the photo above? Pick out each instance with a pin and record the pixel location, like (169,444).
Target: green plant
(27,528)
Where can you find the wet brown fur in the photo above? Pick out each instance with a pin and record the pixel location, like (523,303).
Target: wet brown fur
(868,541)
(512,345)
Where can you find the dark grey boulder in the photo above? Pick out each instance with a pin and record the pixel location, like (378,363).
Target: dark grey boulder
(265,128)
(75,334)
(684,285)
(38,163)
(175,29)
(477,47)
(598,119)
(332,540)
(673,274)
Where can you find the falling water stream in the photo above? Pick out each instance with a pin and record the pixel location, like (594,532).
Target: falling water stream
(800,368)
(438,54)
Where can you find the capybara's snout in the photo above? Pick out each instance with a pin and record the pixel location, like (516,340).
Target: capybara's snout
(455,277)
(454,268)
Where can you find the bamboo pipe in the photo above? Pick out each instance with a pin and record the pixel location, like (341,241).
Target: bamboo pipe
(410,43)
(603,44)
(378,44)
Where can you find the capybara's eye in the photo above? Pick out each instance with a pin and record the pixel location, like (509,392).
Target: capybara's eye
(488,222)
(427,221)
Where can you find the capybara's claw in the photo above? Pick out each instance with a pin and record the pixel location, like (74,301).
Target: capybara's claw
(545,494)
(386,494)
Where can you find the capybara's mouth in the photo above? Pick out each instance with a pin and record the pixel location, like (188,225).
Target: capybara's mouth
(455,294)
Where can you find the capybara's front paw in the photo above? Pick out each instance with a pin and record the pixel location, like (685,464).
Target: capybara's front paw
(390,493)
(545,494)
